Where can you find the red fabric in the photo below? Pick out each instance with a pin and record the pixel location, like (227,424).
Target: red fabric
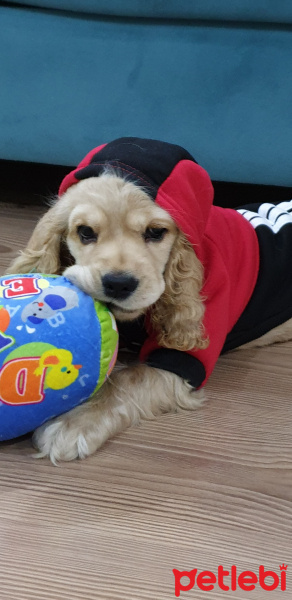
(224,242)
(230,255)
(187,195)
(70,179)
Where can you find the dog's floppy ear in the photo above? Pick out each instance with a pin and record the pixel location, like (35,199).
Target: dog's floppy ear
(178,314)
(43,253)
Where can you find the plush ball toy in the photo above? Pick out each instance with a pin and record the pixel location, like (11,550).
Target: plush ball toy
(57,347)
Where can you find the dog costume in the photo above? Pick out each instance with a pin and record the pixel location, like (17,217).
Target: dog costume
(246,253)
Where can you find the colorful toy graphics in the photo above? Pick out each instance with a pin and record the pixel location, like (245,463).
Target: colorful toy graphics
(57,347)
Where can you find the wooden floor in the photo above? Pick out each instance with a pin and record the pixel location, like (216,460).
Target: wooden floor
(198,490)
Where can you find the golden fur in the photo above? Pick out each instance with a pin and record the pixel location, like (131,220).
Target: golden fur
(178,314)
(170,282)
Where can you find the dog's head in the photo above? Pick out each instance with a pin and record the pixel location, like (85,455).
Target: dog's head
(120,241)
(127,251)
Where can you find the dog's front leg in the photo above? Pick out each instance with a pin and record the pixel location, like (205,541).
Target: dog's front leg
(131,394)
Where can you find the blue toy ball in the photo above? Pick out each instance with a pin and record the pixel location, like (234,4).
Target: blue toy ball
(57,347)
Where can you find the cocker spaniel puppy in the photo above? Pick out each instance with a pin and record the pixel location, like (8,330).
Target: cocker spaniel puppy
(185,280)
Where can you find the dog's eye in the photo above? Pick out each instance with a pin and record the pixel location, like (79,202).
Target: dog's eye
(86,234)
(154,234)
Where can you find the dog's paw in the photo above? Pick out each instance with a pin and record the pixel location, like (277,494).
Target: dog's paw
(66,438)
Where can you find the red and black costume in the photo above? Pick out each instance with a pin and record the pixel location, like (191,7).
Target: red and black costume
(246,254)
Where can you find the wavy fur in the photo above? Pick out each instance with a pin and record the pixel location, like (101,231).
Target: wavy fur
(178,314)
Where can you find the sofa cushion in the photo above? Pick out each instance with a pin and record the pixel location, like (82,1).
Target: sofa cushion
(72,81)
(241,10)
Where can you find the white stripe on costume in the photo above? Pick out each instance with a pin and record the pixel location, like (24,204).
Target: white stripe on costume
(270,215)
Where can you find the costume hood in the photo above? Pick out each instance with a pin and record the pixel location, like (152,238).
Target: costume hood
(168,173)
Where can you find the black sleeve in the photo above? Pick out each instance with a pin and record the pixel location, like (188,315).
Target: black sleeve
(182,364)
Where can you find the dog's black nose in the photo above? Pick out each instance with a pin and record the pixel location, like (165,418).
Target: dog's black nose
(119,285)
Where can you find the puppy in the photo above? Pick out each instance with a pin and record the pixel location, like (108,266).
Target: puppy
(185,280)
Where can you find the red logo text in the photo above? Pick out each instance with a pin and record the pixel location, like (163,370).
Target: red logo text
(230,580)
